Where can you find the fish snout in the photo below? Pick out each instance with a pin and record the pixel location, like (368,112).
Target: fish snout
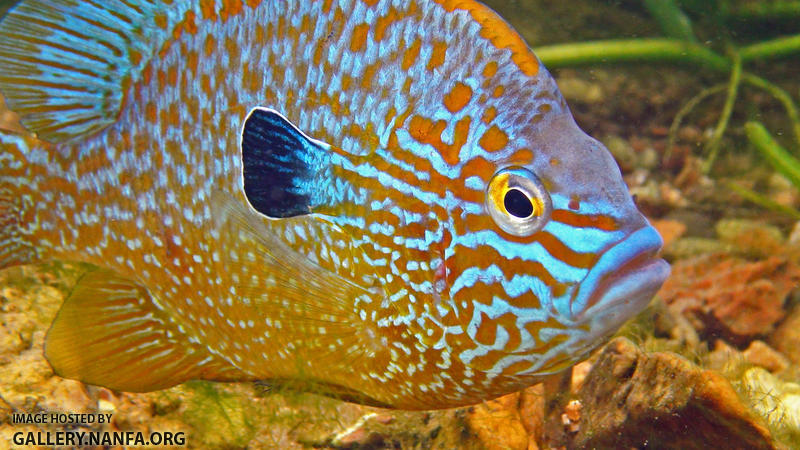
(622,282)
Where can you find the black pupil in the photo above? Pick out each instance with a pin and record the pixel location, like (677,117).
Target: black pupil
(517,204)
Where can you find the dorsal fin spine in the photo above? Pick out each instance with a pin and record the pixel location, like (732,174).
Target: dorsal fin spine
(65,65)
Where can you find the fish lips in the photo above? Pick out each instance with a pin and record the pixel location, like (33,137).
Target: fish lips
(622,282)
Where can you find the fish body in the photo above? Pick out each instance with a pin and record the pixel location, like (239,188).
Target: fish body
(381,200)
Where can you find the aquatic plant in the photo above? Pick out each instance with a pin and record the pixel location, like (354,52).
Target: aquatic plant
(681,46)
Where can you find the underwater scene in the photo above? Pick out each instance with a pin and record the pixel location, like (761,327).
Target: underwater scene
(370,224)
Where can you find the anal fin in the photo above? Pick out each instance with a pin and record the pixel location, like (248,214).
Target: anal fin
(109,333)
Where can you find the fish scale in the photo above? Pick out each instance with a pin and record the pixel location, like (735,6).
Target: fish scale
(299,192)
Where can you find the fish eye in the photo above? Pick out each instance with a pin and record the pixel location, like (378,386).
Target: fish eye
(517,201)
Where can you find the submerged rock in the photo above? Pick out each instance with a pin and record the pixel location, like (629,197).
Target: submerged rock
(786,338)
(729,297)
(661,400)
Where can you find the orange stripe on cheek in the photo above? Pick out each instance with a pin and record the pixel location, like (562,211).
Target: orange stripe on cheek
(557,248)
(458,97)
(599,221)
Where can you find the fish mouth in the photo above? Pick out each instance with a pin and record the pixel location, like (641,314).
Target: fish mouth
(622,283)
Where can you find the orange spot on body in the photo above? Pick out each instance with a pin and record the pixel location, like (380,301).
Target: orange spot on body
(498,91)
(490,69)
(209,45)
(253,3)
(489,115)
(382,23)
(358,41)
(160,20)
(209,9)
(151,112)
(135,57)
(205,85)
(192,61)
(522,157)
(437,55)
(162,80)
(189,23)
(493,139)
(425,131)
(458,97)
(411,54)
(369,74)
(172,76)
(229,9)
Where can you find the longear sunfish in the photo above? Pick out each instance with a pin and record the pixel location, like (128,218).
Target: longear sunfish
(386,201)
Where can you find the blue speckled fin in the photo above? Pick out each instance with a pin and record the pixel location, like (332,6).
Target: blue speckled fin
(109,333)
(281,166)
(65,65)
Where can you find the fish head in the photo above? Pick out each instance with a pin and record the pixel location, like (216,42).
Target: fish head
(561,256)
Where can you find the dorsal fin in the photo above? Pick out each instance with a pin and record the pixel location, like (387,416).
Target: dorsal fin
(64,64)
(109,333)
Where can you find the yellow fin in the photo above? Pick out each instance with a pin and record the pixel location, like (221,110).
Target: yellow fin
(110,333)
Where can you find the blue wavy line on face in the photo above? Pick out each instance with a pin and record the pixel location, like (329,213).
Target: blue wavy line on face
(514,287)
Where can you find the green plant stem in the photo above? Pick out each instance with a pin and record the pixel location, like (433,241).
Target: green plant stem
(771,49)
(673,22)
(727,109)
(773,152)
(686,109)
(661,50)
(763,10)
(763,201)
(782,96)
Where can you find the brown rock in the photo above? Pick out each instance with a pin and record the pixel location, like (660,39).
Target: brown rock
(670,230)
(729,297)
(661,400)
(498,423)
(531,411)
(761,354)
(786,338)
(751,237)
